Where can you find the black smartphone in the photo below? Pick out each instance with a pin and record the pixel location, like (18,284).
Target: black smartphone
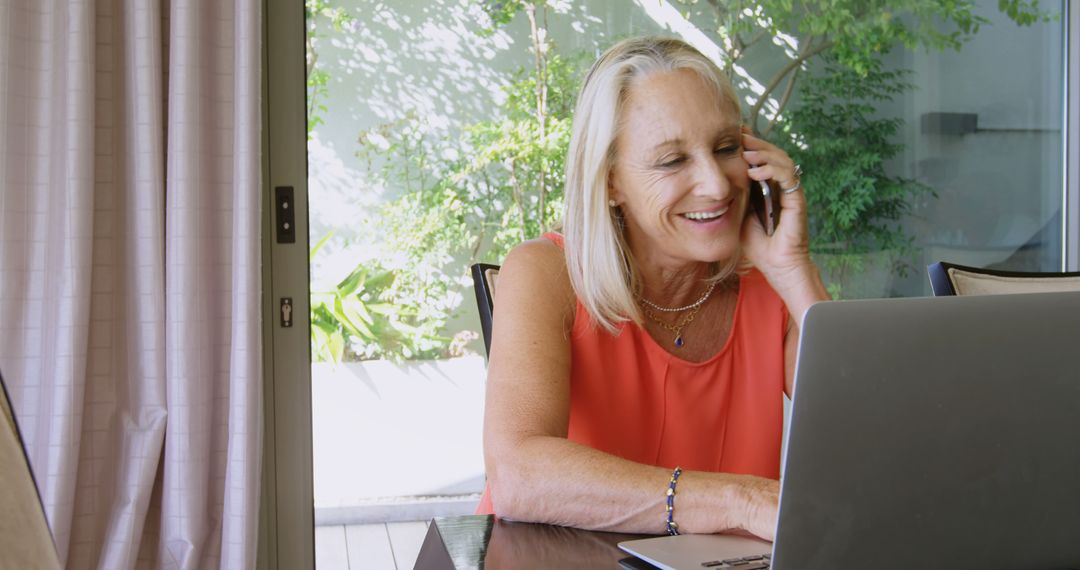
(766,203)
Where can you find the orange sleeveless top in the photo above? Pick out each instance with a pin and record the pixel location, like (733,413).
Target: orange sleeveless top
(631,398)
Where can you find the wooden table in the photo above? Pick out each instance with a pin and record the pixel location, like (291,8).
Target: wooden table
(482,541)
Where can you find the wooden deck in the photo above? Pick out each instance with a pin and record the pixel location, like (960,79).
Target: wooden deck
(382,546)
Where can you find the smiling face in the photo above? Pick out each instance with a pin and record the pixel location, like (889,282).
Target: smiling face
(679,176)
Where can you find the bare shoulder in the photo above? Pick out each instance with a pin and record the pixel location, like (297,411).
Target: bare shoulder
(534,272)
(538,253)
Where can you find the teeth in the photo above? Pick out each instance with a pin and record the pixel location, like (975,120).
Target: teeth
(705,215)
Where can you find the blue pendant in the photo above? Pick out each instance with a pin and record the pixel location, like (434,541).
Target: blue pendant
(678,341)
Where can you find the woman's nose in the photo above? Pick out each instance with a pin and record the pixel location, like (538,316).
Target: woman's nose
(712,181)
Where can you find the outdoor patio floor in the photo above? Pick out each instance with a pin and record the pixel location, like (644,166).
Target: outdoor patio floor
(394,446)
(385,433)
(384,546)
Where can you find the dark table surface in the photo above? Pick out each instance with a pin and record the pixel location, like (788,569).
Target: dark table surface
(482,541)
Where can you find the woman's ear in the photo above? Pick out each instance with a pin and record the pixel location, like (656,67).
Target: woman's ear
(612,191)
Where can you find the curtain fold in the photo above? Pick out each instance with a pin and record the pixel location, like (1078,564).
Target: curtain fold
(129,273)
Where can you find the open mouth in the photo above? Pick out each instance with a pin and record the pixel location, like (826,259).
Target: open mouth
(702,217)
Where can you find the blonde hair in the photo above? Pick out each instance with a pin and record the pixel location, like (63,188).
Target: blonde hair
(598,259)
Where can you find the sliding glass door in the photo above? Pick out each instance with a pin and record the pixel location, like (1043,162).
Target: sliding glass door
(418,138)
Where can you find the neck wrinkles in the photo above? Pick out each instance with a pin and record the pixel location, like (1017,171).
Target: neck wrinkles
(674,286)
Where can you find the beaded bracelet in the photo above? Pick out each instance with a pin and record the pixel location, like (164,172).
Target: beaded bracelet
(672,526)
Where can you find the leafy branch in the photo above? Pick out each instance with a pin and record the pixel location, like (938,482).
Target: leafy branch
(854,33)
(317,13)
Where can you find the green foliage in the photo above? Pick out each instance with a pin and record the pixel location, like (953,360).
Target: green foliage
(855,33)
(514,177)
(502,12)
(1024,13)
(336,15)
(317,89)
(422,230)
(862,30)
(318,13)
(854,206)
(362,314)
(498,183)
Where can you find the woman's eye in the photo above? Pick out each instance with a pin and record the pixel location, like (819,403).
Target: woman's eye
(727,150)
(673,161)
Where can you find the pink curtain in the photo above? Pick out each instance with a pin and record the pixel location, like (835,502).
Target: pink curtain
(130,273)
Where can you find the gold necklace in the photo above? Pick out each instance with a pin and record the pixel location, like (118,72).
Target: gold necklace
(676,329)
(693,305)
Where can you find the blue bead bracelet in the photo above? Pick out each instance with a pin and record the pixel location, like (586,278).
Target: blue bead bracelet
(672,526)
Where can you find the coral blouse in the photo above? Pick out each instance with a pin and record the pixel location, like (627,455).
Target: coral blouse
(631,398)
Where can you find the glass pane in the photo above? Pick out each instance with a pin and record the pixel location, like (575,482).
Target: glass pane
(984,130)
(947,151)
(428,151)
(424,156)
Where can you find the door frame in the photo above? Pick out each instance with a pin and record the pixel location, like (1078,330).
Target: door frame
(286,516)
(1070,234)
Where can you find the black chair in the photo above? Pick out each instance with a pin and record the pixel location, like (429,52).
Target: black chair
(951,279)
(484,275)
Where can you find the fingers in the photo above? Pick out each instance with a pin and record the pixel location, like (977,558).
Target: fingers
(772,166)
(769,162)
(770,174)
(753,144)
(752,230)
(770,171)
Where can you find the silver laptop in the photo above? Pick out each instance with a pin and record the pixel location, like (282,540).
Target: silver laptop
(925,433)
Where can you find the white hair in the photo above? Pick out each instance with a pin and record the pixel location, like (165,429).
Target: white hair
(598,259)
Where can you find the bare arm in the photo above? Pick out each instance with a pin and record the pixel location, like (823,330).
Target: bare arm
(791,350)
(784,257)
(807,290)
(535,474)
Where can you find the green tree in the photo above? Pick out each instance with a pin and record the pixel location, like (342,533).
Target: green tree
(853,33)
(502,184)
(500,181)
(853,204)
(317,15)
(477,194)
(833,75)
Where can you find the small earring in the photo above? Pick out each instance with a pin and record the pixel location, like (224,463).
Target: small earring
(611,203)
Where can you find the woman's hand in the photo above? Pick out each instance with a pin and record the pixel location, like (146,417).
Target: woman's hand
(785,254)
(784,257)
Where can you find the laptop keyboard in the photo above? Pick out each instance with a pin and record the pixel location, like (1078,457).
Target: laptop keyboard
(758,562)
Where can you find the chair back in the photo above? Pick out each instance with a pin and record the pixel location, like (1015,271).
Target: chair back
(25,539)
(484,276)
(951,279)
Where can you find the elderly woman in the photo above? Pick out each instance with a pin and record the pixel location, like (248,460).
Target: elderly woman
(638,360)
